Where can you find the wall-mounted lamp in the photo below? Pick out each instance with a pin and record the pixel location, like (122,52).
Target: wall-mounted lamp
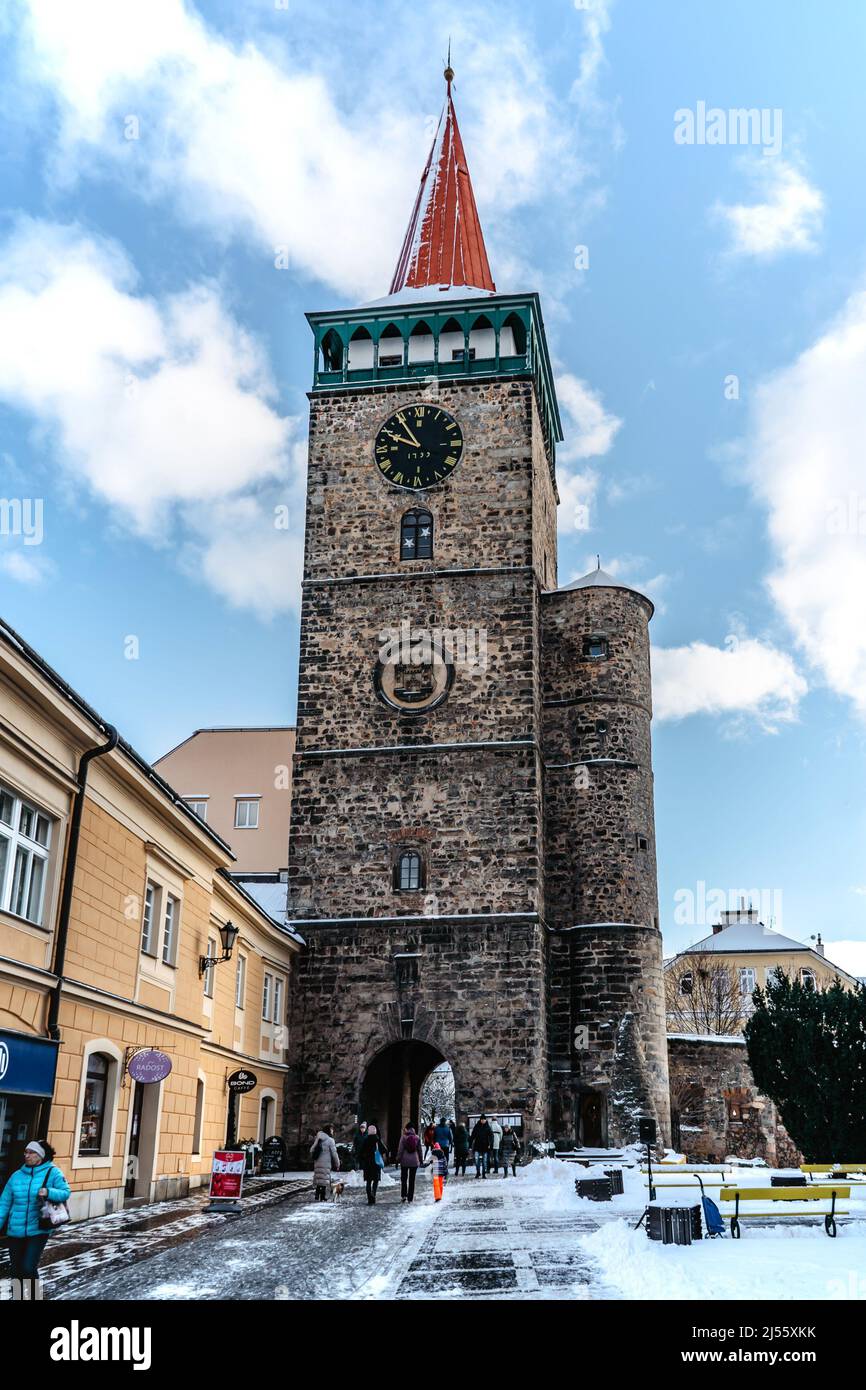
(228,936)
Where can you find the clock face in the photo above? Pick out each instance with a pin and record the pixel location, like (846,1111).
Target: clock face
(419,446)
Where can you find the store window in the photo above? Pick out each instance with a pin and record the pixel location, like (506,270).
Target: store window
(97,1088)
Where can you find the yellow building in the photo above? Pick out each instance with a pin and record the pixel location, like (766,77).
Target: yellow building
(709,986)
(112,893)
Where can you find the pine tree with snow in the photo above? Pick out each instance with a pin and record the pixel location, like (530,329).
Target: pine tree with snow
(807,1051)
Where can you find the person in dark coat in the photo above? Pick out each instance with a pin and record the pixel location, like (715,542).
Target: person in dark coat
(443,1135)
(509,1151)
(408,1161)
(372,1162)
(461,1148)
(481,1142)
(358,1140)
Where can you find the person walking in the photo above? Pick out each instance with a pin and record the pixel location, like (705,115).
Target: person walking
(408,1161)
(461,1147)
(479,1143)
(326,1161)
(429,1138)
(509,1151)
(358,1140)
(495,1141)
(37,1181)
(372,1162)
(443,1135)
(439,1159)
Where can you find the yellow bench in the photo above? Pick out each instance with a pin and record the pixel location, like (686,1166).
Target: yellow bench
(768,1196)
(833,1168)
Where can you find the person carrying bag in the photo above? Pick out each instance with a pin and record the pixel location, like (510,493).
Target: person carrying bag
(32,1205)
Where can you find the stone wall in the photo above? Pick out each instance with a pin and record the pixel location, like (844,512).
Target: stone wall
(708,1079)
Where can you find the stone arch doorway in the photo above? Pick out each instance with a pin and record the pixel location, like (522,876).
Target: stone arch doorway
(391,1087)
(593,1120)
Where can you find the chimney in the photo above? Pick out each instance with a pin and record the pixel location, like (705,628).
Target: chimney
(819,945)
(718,926)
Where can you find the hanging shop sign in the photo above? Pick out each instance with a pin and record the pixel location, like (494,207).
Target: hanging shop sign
(227,1174)
(242,1081)
(27,1065)
(148,1066)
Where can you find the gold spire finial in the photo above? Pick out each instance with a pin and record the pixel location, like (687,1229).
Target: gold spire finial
(449,71)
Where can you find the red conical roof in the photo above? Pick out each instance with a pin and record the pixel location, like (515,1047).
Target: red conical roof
(444,243)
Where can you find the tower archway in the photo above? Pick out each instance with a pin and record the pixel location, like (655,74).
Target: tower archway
(391,1086)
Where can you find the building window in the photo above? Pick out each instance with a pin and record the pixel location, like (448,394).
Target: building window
(687,982)
(457,354)
(267,997)
(278,1001)
(199,1116)
(96,1097)
(198,806)
(240,982)
(641,841)
(808,978)
(416,536)
(150,919)
(213,952)
(747,982)
(408,871)
(170,930)
(596,648)
(25,843)
(247,814)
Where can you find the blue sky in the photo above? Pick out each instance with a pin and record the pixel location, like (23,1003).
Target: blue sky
(710,345)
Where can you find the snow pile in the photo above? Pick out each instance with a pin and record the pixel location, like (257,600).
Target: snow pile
(764,1264)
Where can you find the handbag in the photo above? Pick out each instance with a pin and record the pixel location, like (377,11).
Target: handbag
(380,1162)
(52,1214)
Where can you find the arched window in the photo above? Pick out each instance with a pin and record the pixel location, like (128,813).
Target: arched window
(416,536)
(513,336)
(391,347)
(96,1099)
(421,348)
(360,350)
(199,1116)
(332,352)
(408,871)
(482,339)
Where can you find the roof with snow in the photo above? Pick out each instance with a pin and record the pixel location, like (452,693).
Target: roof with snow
(600,579)
(747,936)
(444,244)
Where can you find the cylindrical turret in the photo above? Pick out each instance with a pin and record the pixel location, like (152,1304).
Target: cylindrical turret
(608,1042)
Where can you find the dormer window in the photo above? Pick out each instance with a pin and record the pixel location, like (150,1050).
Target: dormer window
(596,648)
(416,536)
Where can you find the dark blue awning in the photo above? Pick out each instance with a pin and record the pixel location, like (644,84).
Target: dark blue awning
(27,1065)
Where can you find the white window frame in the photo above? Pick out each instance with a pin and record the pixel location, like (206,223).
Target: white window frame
(240,981)
(151,919)
(748,976)
(267,996)
(808,973)
(29,850)
(247,802)
(194,802)
(212,952)
(104,1158)
(170,931)
(690,976)
(279,988)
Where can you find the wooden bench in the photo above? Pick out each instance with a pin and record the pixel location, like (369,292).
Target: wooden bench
(831,1169)
(767,1197)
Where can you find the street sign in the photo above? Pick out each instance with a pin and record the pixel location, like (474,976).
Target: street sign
(227,1174)
(242,1081)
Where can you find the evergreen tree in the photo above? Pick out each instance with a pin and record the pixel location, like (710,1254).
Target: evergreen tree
(807,1051)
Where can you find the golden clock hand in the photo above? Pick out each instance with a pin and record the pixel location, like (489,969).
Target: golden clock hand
(401,439)
(407,428)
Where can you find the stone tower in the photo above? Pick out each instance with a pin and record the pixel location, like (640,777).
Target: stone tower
(419,834)
(607,1019)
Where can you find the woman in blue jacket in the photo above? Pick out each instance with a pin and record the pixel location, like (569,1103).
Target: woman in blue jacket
(20,1201)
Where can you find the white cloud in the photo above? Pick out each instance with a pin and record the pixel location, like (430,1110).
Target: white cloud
(747,677)
(804,459)
(23,568)
(849,955)
(788,215)
(164,407)
(244,144)
(589,430)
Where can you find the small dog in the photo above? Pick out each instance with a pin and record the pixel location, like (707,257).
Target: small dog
(337,1190)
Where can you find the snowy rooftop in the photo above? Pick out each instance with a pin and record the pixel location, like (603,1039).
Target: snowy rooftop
(600,579)
(748,936)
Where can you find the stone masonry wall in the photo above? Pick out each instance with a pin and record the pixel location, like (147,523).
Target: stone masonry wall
(706,1078)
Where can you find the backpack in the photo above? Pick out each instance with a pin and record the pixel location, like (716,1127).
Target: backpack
(410,1143)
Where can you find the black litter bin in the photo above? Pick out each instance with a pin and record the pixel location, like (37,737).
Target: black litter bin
(674,1225)
(615,1175)
(596,1189)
